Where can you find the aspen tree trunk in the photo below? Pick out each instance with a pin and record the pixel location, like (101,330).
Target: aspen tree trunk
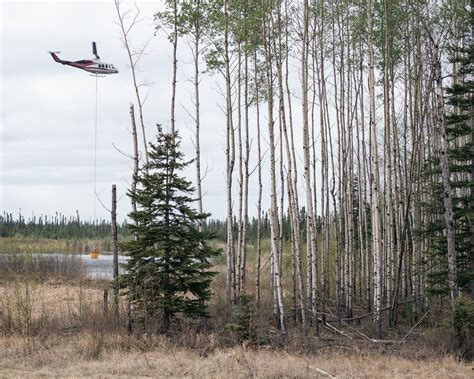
(230,154)
(294,185)
(349,174)
(323,109)
(387,163)
(315,267)
(175,65)
(294,295)
(445,173)
(133,63)
(292,190)
(360,200)
(416,126)
(241,173)
(398,237)
(197,116)
(337,226)
(340,228)
(405,186)
(273,216)
(377,242)
(246,175)
(310,232)
(135,159)
(282,174)
(260,187)
(368,276)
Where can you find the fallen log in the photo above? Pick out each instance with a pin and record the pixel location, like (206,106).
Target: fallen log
(318,370)
(382,310)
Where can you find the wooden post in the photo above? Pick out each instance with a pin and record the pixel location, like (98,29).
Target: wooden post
(106,301)
(129,316)
(114,249)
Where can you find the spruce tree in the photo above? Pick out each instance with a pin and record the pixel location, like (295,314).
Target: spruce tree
(459,120)
(168,272)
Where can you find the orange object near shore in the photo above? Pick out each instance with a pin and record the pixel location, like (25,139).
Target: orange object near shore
(94,254)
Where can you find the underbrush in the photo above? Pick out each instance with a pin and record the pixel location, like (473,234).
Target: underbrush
(84,309)
(40,266)
(67,327)
(58,303)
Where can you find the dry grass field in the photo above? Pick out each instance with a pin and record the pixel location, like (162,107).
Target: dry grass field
(89,355)
(59,328)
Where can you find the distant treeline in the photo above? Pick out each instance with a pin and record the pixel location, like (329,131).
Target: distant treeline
(219,228)
(61,227)
(56,227)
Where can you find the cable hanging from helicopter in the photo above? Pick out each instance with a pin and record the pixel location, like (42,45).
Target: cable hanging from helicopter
(98,69)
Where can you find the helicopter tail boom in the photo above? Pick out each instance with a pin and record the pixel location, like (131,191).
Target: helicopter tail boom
(55,57)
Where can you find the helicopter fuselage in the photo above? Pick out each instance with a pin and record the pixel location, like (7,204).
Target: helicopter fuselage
(93,66)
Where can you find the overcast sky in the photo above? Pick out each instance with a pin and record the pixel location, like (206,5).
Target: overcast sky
(47,109)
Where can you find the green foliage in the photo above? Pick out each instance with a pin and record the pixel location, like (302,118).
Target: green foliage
(169,267)
(244,319)
(463,322)
(459,129)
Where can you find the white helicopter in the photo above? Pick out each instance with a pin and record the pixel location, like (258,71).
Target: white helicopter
(94,66)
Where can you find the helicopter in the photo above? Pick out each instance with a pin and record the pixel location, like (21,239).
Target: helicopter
(94,65)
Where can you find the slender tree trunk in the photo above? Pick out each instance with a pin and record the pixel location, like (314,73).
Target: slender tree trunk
(175,65)
(260,187)
(246,174)
(135,159)
(310,230)
(273,216)
(377,242)
(197,115)
(387,162)
(324,132)
(241,174)
(230,154)
(291,184)
(445,173)
(133,60)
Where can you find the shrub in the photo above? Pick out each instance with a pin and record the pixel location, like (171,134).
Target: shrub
(244,319)
(463,322)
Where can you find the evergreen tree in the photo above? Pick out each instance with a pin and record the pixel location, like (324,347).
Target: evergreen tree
(460,131)
(168,272)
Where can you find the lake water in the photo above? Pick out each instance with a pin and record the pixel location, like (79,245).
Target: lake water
(61,264)
(102,267)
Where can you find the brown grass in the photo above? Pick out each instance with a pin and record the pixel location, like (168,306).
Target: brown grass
(61,329)
(110,355)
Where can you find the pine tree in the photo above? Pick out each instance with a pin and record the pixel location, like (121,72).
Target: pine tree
(168,272)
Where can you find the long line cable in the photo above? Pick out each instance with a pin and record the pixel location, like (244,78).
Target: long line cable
(95,151)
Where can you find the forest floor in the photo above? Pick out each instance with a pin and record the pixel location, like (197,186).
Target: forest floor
(61,327)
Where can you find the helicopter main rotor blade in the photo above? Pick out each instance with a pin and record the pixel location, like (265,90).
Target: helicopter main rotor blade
(94,50)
